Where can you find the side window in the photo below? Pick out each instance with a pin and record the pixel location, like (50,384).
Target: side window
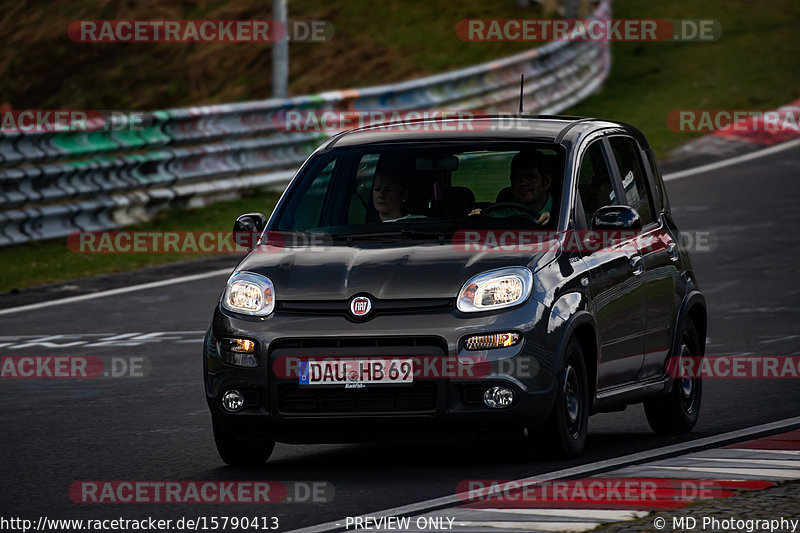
(309,206)
(626,153)
(595,186)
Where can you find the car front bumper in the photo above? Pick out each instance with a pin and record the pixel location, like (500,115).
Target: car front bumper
(445,400)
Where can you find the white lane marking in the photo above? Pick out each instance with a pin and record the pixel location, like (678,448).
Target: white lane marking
(112,292)
(20,337)
(597,514)
(760,473)
(723,286)
(732,161)
(768,462)
(582,470)
(533,526)
(103,340)
(779,339)
(786,452)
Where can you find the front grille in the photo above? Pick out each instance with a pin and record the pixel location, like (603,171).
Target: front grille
(384,343)
(379,307)
(420,396)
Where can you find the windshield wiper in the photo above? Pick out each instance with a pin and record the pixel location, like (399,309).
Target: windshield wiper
(403,233)
(441,236)
(366,235)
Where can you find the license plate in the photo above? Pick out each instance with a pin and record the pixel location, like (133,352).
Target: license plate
(356,373)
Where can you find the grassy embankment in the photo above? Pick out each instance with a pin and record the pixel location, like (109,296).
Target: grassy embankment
(753,66)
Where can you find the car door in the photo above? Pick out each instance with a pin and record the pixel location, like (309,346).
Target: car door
(658,250)
(616,290)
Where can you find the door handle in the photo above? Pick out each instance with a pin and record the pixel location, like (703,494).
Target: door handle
(672,251)
(637,266)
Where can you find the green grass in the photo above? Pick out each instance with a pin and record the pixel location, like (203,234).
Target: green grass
(373,43)
(38,263)
(754,65)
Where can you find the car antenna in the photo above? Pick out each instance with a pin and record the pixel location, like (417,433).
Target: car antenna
(521,85)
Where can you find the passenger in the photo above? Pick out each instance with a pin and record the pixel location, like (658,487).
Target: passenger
(389,194)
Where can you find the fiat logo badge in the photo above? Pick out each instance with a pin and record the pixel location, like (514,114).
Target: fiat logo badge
(360,306)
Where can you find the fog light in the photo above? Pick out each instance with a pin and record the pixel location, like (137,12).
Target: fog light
(498,397)
(494,340)
(233,401)
(238,352)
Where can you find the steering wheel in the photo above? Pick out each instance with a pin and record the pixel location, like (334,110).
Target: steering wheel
(515,205)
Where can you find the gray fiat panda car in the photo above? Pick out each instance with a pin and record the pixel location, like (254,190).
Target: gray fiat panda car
(513,275)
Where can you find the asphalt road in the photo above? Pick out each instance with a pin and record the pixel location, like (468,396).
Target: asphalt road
(56,432)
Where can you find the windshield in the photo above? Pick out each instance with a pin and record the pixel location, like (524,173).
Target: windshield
(425,188)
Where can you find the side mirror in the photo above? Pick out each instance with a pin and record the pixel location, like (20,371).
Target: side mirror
(248,228)
(616,217)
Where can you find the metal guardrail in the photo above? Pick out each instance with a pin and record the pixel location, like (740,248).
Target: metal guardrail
(56,183)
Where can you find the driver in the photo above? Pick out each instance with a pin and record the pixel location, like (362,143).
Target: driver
(531,177)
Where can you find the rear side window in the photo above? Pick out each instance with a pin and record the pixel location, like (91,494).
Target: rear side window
(595,186)
(626,154)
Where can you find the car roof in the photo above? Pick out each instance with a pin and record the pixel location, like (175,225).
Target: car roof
(478,128)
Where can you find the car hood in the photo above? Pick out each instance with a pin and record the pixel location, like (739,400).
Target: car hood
(419,270)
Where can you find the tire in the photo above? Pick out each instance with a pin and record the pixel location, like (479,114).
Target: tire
(240,450)
(564,432)
(677,411)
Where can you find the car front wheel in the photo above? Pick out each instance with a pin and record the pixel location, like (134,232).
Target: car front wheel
(678,411)
(564,431)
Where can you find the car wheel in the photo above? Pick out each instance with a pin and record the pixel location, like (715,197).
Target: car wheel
(564,431)
(237,449)
(678,411)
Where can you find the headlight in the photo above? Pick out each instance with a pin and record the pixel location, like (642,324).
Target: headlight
(495,289)
(250,294)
